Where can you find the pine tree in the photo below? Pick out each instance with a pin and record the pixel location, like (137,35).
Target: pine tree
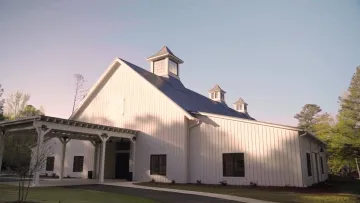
(307,116)
(349,120)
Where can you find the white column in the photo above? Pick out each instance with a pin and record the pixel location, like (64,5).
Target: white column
(2,147)
(39,147)
(96,160)
(63,141)
(133,158)
(102,161)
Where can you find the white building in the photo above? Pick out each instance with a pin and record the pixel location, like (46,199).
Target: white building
(185,136)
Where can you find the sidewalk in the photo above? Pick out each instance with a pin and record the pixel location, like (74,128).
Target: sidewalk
(220,196)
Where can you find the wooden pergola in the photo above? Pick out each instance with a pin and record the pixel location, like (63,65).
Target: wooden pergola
(46,127)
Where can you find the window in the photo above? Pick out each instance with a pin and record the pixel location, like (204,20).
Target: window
(50,163)
(123,145)
(308,161)
(78,163)
(322,166)
(158,165)
(216,95)
(212,95)
(239,107)
(222,96)
(233,165)
(173,67)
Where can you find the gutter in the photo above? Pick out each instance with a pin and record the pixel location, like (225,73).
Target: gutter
(198,122)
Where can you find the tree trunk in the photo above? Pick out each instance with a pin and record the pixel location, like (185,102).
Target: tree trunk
(357,166)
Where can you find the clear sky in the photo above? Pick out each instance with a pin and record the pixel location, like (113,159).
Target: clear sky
(276,55)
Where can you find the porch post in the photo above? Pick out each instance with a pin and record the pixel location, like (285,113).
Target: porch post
(104,138)
(41,132)
(63,141)
(133,157)
(2,147)
(96,159)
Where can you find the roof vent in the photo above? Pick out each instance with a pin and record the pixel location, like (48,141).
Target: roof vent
(217,94)
(240,105)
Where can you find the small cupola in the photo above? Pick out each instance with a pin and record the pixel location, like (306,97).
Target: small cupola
(165,63)
(240,106)
(217,94)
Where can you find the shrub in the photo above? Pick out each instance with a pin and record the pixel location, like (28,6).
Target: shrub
(253,184)
(173,182)
(53,175)
(198,182)
(153,180)
(223,183)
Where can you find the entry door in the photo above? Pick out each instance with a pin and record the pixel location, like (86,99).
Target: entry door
(122,165)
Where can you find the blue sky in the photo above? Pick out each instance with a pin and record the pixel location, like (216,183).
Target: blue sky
(276,55)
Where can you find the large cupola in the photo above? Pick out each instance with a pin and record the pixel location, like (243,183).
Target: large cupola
(217,94)
(165,63)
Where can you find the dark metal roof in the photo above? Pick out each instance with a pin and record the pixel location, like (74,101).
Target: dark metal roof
(187,99)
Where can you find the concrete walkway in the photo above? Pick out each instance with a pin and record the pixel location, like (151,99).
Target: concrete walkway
(214,195)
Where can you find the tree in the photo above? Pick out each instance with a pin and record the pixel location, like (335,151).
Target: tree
(349,120)
(79,84)
(22,161)
(307,116)
(1,104)
(30,110)
(16,103)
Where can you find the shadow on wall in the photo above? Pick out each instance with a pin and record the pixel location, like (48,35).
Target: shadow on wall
(160,136)
(269,161)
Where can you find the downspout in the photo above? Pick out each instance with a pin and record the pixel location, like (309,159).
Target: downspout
(198,122)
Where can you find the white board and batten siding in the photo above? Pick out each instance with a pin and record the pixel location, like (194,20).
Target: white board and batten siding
(127,100)
(309,145)
(272,154)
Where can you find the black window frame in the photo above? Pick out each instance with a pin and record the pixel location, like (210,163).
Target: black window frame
(230,169)
(322,165)
(78,164)
(50,163)
(308,163)
(158,164)
(177,67)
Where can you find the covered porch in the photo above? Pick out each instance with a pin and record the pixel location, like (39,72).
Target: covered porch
(102,137)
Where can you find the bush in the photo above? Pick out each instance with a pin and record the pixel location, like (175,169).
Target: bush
(173,182)
(253,184)
(198,182)
(153,180)
(223,183)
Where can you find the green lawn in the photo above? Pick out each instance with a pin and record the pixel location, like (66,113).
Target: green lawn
(334,191)
(67,195)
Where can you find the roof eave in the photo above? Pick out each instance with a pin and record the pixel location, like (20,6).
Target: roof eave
(155,57)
